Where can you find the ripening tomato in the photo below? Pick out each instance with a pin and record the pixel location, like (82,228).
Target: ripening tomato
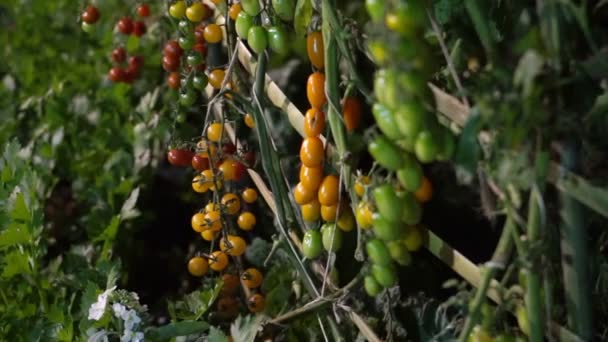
(249,121)
(329,190)
(311,211)
(364,215)
(119,55)
(256,302)
(413,240)
(125,25)
(215,131)
(90,15)
(116,74)
(249,195)
(312,246)
(315,49)
(196,12)
(216,77)
(143,10)
(315,90)
(252,278)
(234,11)
(425,192)
(180,157)
(136,62)
(278,40)
(371,286)
(246,221)
(198,266)
(233,245)
(228,306)
(200,163)
(178,9)
(213,33)
(311,152)
(302,194)
(230,284)
(399,252)
(139,28)
(311,177)
(361,184)
(218,261)
(346,221)
(257,38)
(314,122)
(331,237)
(173,80)
(172,49)
(351,112)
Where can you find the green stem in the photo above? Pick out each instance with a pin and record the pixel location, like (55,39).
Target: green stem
(533,292)
(498,261)
(575,258)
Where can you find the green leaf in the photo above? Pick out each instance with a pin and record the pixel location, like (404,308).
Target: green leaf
(15,263)
(15,233)
(529,66)
(183,328)
(244,329)
(19,209)
(128,210)
(216,335)
(468,150)
(577,187)
(302,17)
(132,44)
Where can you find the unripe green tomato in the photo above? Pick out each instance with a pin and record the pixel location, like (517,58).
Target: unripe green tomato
(385,120)
(372,287)
(284,9)
(180,118)
(398,252)
(522,319)
(413,82)
(278,40)
(194,59)
(384,275)
(448,146)
(411,210)
(251,7)
(312,246)
(328,243)
(389,205)
(375,9)
(257,39)
(187,98)
(377,252)
(186,42)
(298,45)
(386,89)
(184,25)
(426,147)
(379,51)
(386,230)
(200,81)
(410,175)
(242,24)
(386,153)
(410,117)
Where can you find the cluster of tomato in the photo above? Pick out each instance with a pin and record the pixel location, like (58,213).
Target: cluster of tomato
(196,32)
(246,15)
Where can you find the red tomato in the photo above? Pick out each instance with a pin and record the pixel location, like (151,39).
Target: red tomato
(139,28)
(200,163)
(171,63)
(90,15)
(174,81)
(116,74)
(228,148)
(180,157)
(143,10)
(136,62)
(125,25)
(173,49)
(119,55)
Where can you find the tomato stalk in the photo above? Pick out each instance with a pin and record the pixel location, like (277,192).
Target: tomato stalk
(533,286)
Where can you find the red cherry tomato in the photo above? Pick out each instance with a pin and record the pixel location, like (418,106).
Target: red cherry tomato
(136,62)
(200,163)
(228,148)
(172,49)
(90,15)
(180,157)
(125,25)
(143,10)
(171,63)
(119,55)
(116,74)
(139,28)
(174,81)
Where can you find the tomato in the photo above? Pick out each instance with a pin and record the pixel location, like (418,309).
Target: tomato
(216,77)
(409,117)
(314,122)
(186,42)
(143,10)
(257,39)
(209,235)
(172,49)
(346,221)
(331,237)
(199,184)
(351,112)
(200,163)
(171,63)
(426,147)
(227,306)
(312,244)
(180,157)
(194,59)
(384,229)
(125,25)
(249,158)
(251,7)
(315,49)
(329,190)
(411,209)
(448,146)
(195,12)
(310,177)
(199,32)
(315,90)
(178,9)
(88,28)
(252,278)
(386,88)
(218,261)
(328,212)
(278,40)
(378,252)
(386,121)
(187,98)
(425,192)
(198,266)
(116,74)
(410,176)
(311,211)
(414,82)
(230,284)
(372,287)
(407,18)
(303,195)
(399,252)
(211,206)
(119,55)
(256,302)
(136,62)
(90,15)
(213,33)
(361,184)
(385,275)
(215,131)
(413,239)
(233,245)
(364,215)
(214,220)
(311,152)
(386,153)
(198,222)
(227,168)
(139,28)
(249,195)
(206,149)
(234,11)
(479,334)
(242,24)
(246,221)
(231,203)
(375,9)
(378,51)
(389,205)
(199,81)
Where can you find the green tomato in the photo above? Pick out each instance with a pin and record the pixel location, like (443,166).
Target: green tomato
(407,18)
(184,25)
(312,244)
(386,89)
(426,147)
(386,153)
(187,98)
(251,7)
(377,251)
(186,42)
(284,9)
(409,117)
(328,243)
(448,146)
(386,121)
(375,9)
(413,82)
(389,205)
(194,59)
(410,175)
(200,81)
(384,275)
(242,24)
(257,39)
(379,51)
(371,286)
(386,230)
(278,40)
(398,252)
(411,210)
(522,319)
(504,338)
(180,118)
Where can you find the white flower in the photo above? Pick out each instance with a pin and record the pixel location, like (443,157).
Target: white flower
(119,310)
(131,319)
(139,337)
(98,308)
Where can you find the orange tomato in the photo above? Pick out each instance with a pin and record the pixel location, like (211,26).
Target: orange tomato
(303,195)
(329,190)
(425,192)
(315,90)
(311,177)
(351,112)
(311,152)
(328,212)
(314,122)
(315,49)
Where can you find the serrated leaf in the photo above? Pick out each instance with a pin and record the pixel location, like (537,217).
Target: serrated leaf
(183,328)
(244,329)
(302,17)
(19,209)
(109,233)
(15,263)
(15,233)
(529,66)
(216,335)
